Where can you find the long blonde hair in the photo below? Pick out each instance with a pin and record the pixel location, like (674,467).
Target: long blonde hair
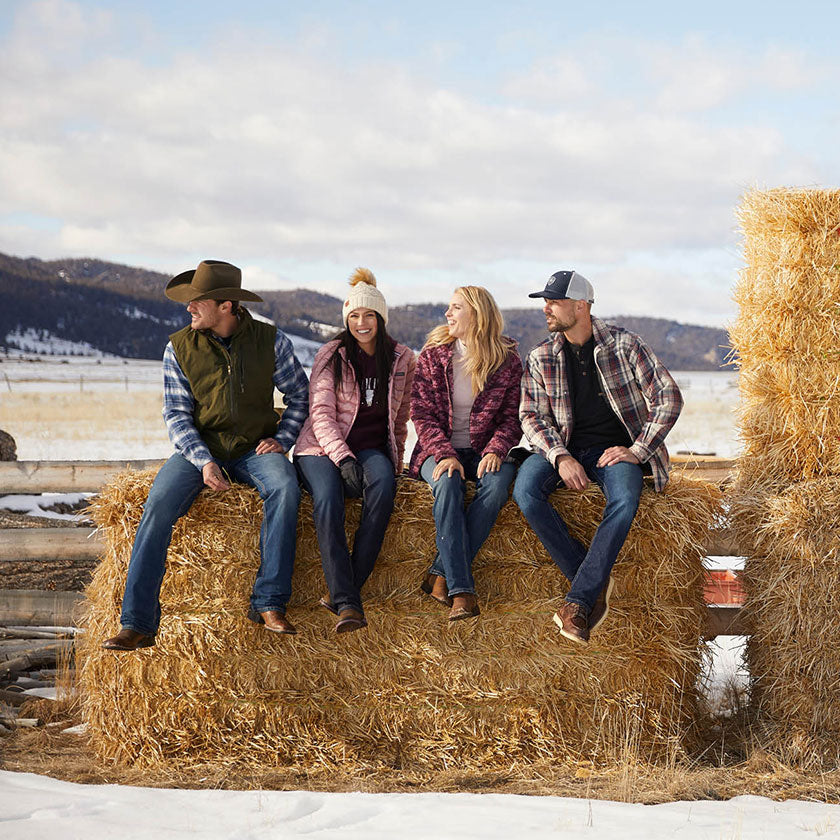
(487,348)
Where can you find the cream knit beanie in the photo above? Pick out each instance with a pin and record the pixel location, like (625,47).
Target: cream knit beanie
(364,295)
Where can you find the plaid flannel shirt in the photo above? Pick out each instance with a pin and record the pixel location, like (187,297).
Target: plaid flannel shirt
(179,405)
(639,389)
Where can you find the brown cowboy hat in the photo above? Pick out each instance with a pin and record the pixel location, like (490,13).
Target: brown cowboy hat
(212,280)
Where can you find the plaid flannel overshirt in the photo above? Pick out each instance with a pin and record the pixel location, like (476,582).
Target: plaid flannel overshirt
(639,389)
(178,404)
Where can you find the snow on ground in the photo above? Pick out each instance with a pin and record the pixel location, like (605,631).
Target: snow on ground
(40,807)
(39,505)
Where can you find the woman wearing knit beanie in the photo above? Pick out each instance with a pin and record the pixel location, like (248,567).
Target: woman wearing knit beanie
(465,408)
(353,441)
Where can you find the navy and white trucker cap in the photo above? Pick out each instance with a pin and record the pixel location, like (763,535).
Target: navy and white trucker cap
(567,285)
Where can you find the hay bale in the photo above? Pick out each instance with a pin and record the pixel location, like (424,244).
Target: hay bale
(503,692)
(792,585)
(784,500)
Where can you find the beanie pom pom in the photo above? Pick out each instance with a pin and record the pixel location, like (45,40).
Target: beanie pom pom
(362,275)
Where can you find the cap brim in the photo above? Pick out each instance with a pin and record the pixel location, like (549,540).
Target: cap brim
(548,296)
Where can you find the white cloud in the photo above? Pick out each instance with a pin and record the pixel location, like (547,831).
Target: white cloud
(275,158)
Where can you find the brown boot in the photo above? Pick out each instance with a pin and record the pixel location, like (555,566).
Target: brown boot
(350,620)
(435,585)
(464,605)
(571,619)
(274,620)
(128,639)
(602,606)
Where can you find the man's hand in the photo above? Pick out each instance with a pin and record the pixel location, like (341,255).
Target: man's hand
(448,465)
(268,445)
(615,454)
(213,477)
(572,472)
(489,463)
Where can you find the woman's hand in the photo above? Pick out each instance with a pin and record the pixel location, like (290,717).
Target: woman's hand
(491,462)
(449,465)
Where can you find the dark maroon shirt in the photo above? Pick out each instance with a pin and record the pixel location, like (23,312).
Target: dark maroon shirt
(370,428)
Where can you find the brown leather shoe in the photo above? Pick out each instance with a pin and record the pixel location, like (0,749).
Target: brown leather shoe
(350,620)
(128,639)
(274,620)
(435,585)
(571,619)
(464,606)
(602,606)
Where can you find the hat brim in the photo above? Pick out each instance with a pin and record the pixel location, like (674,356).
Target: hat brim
(179,289)
(548,296)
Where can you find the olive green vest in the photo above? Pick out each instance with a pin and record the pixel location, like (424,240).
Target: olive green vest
(233,389)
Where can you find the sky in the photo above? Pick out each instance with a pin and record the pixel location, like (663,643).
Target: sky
(437,143)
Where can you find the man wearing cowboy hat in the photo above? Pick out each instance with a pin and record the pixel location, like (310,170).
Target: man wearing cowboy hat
(219,378)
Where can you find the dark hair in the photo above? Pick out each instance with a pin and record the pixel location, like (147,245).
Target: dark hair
(383,353)
(234,306)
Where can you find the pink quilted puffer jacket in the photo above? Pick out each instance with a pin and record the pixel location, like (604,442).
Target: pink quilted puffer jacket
(331,416)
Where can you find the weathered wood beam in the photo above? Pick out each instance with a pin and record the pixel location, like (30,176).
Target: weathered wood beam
(63,476)
(725,620)
(18,544)
(33,607)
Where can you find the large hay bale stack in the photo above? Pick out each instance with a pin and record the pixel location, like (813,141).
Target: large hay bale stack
(410,692)
(787,343)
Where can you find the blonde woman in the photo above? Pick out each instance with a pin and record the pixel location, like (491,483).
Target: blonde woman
(465,408)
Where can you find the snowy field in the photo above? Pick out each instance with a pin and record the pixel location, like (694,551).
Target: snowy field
(77,408)
(39,807)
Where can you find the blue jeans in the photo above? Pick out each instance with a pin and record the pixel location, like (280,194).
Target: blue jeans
(174,490)
(346,573)
(461,533)
(588,571)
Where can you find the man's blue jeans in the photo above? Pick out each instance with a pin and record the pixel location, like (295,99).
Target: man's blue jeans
(344,573)
(174,490)
(461,533)
(588,571)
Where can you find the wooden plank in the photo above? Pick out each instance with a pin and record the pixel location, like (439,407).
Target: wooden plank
(33,607)
(64,476)
(17,544)
(723,543)
(725,621)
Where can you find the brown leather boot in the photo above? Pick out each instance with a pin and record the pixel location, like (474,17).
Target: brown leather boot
(571,619)
(435,585)
(274,620)
(350,620)
(128,639)
(464,606)
(602,606)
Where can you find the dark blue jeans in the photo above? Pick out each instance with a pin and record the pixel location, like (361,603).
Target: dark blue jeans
(461,533)
(587,570)
(174,490)
(346,573)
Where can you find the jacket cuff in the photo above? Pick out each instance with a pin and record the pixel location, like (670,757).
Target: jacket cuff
(641,452)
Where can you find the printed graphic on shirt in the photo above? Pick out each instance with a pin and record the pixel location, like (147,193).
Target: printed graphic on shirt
(369,390)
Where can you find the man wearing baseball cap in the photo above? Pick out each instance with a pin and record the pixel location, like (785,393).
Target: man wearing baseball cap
(596,406)
(219,376)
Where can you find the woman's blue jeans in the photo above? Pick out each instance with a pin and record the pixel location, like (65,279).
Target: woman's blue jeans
(460,533)
(587,570)
(346,573)
(174,490)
